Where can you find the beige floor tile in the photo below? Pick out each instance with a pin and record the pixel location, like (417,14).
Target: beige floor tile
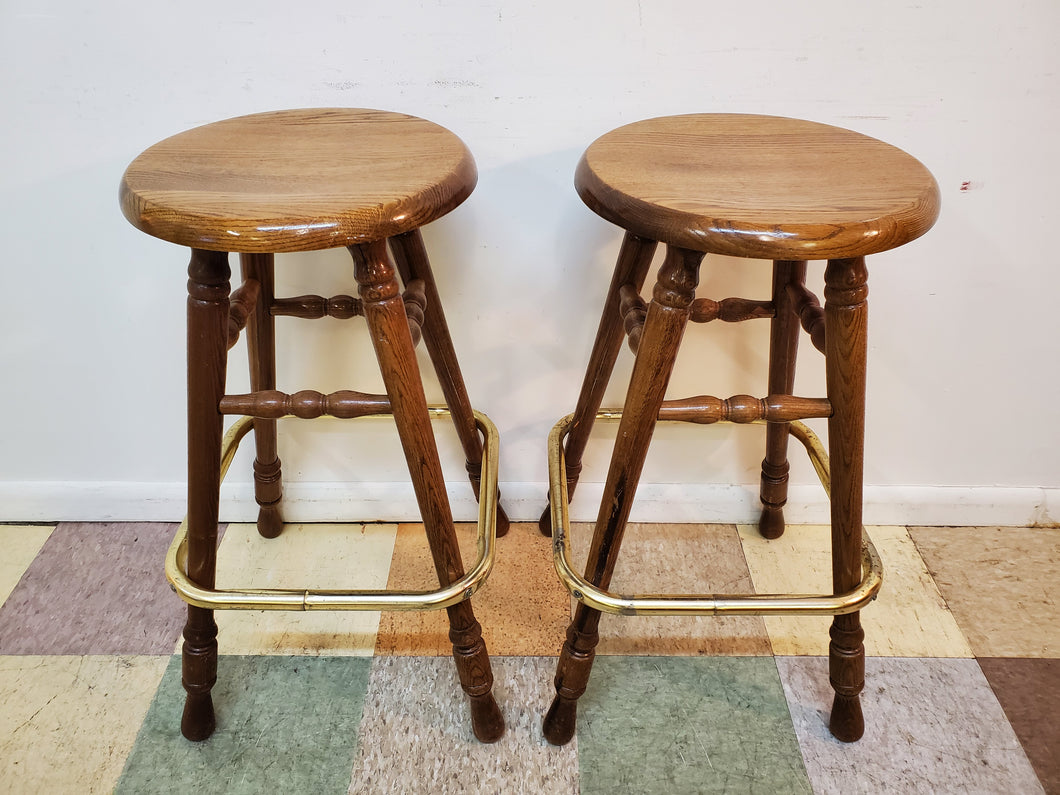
(523,608)
(676,559)
(336,556)
(20,543)
(1000,583)
(68,723)
(909,619)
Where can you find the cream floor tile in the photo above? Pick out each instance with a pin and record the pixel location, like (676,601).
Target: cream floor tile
(20,543)
(523,608)
(354,556)
(676,559)
(909,619)
(68,723)
(1000,583)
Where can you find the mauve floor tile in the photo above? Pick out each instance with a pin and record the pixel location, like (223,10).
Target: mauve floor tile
(659,558)
(95,589)
(1029,692)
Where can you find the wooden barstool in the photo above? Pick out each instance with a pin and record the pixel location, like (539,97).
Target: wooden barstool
(305,180)
(743,186)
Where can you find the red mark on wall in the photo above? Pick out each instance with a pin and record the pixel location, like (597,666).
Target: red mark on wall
(969,185)
(966,186)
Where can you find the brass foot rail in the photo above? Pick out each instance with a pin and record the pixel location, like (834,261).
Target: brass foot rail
(693,604)
(310,599)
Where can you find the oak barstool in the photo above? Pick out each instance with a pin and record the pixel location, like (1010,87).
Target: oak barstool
(743,186)
(304,180)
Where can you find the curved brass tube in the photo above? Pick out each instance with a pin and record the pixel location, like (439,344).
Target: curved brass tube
(699,604)
(309,599)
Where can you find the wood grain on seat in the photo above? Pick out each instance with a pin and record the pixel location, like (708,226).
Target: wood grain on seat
(758,186)
(297,180)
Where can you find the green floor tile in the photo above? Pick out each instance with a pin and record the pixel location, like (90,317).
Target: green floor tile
(284,724)
(687,725)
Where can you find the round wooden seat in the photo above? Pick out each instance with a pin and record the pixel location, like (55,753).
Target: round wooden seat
(297,180)
(758,186)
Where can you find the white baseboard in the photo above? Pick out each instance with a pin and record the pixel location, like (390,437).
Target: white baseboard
(656,502)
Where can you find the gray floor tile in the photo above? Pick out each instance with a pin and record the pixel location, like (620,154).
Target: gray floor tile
(932,725)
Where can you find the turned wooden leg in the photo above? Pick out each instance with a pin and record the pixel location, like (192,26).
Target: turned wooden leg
(667,316)
(410,256)
(634,259)
(208,290)
(389,328)
(261,348)
(783,347)
(846,324)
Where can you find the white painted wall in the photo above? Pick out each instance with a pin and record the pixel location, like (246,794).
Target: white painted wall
(962,425)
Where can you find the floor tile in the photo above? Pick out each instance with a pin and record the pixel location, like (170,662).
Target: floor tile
(20,543)
(67,723)
(95,589)
(416,733)
(687,725)
(1029,692)
(1000,584)
(325,556)
(523,608)
(284,724)
(676,559)
(931,725)
(908,619)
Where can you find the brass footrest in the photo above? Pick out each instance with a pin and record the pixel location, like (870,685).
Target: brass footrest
(693,604)
(309,599)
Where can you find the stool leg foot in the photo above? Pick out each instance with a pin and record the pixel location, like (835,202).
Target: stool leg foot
(487,721)
(634,260)
(544,523)
(198,721)
(847,723)
(771,524)
(388,324)
(270,521)
(410,257)
(561,721)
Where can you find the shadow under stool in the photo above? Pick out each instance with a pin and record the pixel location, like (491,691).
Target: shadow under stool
(296,181)
(746,186)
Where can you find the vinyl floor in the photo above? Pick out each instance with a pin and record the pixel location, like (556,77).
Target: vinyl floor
(962,684)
